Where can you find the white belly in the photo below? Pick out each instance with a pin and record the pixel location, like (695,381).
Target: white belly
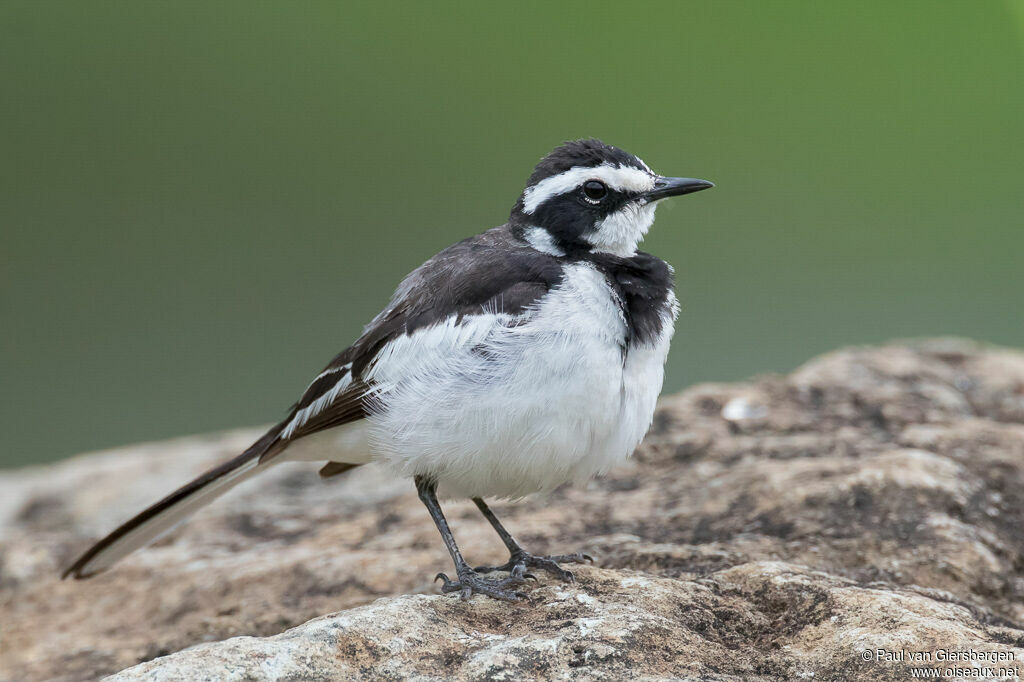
(493,408)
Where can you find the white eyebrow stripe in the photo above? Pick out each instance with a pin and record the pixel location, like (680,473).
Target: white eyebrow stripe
(616,177)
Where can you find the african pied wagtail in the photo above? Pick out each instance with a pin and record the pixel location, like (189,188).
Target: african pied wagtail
(507,364)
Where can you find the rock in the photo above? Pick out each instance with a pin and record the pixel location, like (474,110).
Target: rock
(867,508)
(760,620)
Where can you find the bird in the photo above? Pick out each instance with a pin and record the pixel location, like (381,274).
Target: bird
(510,363)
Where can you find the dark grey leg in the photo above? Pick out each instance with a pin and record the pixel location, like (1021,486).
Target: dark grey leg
(520,559)
(469,581)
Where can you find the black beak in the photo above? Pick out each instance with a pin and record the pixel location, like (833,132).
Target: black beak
(674,187)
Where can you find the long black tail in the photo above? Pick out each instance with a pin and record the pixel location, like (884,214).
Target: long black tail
(163,516)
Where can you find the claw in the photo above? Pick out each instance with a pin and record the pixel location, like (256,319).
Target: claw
(520,561)
(577,558)
(470,582)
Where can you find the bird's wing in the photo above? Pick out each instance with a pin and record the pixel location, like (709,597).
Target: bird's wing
(486,274)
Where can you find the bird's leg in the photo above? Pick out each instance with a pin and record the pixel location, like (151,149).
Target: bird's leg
(520,559)
(469,581)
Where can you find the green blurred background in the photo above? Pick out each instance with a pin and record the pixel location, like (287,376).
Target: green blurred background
(201,203)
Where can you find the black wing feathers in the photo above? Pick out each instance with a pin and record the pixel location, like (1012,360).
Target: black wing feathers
(490,273)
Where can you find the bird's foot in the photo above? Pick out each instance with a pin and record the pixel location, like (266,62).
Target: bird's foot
(471,582)
(522,560)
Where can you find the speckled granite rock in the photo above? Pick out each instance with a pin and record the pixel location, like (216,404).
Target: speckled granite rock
(757,621)
(777,529)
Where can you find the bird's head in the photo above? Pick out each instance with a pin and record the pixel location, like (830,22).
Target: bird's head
(591,196)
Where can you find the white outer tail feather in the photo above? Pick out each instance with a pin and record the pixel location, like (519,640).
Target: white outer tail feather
(168,519)
(346,443)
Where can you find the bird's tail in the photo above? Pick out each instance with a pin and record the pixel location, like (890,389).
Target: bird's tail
(163,516)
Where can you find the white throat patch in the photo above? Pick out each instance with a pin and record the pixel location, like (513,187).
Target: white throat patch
(621,232)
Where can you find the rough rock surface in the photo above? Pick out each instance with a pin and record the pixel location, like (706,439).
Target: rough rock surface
(871,501)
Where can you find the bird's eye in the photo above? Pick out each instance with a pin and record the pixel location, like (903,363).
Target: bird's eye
(594,190)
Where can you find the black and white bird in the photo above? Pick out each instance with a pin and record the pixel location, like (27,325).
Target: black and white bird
(510,363)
